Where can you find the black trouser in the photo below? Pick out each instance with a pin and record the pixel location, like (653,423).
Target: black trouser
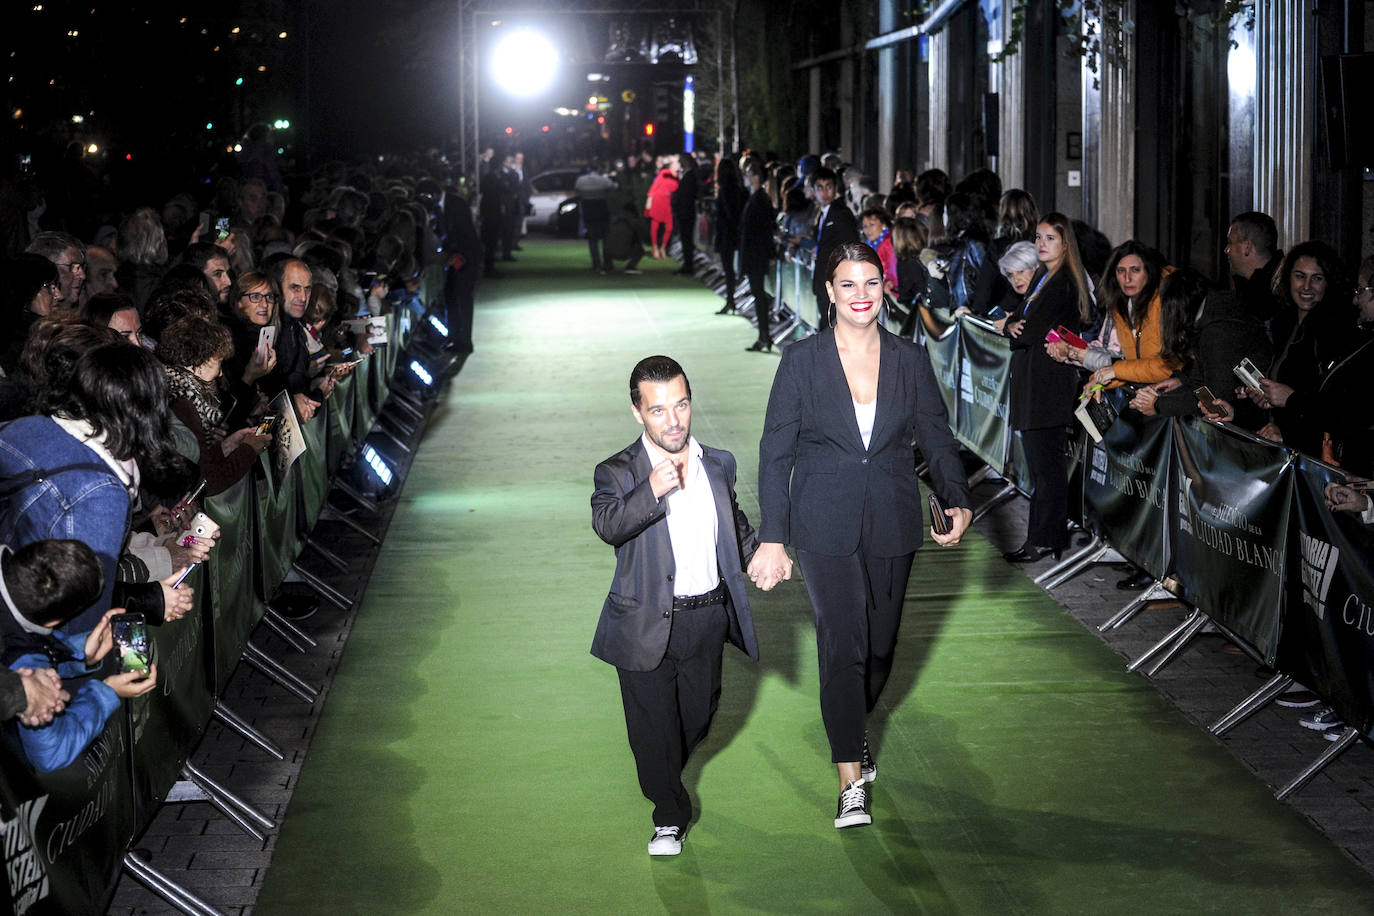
(1049,502)
(686,226)
(596,244)
(669,710)
(727,264)
(763,303)
(857,603)
(458,305)
(629,264)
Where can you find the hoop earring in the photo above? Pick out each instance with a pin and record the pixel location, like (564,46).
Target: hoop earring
(833,316)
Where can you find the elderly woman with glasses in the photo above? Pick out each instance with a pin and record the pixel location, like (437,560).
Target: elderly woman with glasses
(250,307)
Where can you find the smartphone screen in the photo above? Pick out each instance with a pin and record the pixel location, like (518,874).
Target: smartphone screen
(221,228)
(130,633)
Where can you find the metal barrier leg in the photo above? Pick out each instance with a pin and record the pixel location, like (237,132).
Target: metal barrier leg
(166,888)
(330,556)
(236,723)
(1251,704)
(1179,644)
(396,423)
(979,476)
(1007,492)
(356,495)
(297,634)
(276,672)
(1086,555)
(382,431)
(330,514)
(222,798)
(1194,621)
(334,596)
(1156,592)
(1346,739)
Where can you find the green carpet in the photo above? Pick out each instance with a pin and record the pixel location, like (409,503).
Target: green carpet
(472,756)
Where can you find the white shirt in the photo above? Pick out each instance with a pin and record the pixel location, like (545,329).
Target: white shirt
(865,414)
(692,524)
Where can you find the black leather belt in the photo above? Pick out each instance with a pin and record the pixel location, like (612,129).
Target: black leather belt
(692,602)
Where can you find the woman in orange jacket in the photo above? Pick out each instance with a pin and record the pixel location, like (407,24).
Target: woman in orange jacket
(1130,294)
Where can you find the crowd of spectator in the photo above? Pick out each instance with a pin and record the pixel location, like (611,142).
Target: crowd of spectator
(148,365)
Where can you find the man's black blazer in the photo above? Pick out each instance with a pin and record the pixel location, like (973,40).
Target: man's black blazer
(840,227)
(838,489)
(637,614)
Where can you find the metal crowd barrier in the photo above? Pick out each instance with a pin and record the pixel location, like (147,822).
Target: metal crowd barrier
(69,833)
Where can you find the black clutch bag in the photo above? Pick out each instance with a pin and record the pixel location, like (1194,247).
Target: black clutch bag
(938,520)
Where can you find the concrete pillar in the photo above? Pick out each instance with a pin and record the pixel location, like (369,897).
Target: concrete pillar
(1109,182)
(939,101)
(1285,109)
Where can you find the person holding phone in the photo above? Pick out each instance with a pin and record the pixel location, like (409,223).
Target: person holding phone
(1042,391)
(837,481)
(250,313)
(47,583)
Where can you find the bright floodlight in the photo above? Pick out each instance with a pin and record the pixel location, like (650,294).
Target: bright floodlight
(524,63)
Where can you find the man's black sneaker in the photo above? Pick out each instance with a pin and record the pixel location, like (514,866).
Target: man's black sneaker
(852,810)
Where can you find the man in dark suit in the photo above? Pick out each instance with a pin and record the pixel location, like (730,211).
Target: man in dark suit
(684,203)
(667,505)
(757,249)
(834,227)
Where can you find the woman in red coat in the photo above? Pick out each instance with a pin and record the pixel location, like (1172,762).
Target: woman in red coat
(659,209)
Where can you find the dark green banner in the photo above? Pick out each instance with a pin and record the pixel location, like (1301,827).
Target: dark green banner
(1328,632)
(232,569)
(1232,495)
(984,367)
(944,359)
(279,541)
(1125,485)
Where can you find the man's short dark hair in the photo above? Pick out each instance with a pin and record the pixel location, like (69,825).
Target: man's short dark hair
(53,580)
(1259,230)
(823,174)
(201,253)
(655,369)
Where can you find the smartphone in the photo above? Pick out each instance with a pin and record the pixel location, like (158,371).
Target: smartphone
(1248,373)
(130,633)
(1052,336)
(1073,339)
(221,229)
(266,337)
(1207,399)
(205,220)
(265,425)
(938,520)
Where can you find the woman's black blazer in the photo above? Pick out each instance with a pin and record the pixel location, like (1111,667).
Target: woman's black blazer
(1042,392)
(819,488)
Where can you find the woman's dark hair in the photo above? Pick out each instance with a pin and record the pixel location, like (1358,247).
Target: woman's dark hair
(168,306)
(727,174)
(51,353)
(98,309)
(1180,296)
(21,277)
(1017,216)
(1332,267)
(964,217)
(877,213)
(53,580)
(193,340)
(122,392)
(1112,299)
(932,187)
(852,251)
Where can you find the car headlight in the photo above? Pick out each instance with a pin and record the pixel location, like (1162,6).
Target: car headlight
(567,206)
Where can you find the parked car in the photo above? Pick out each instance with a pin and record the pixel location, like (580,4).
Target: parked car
(553,202)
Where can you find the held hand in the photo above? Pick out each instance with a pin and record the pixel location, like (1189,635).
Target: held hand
(1057,350)
(132,683)
(176,602)
(1144,400)
(1276,393)
(1223,412)
(770,565)
(1342,498)
(197,551)
(665,477)
(46,698)
(961,519)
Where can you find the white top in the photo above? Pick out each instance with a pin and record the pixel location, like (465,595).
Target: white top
(865,413)
(692,523)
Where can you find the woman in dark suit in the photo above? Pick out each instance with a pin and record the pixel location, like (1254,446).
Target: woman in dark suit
(847,407)
(1043,391)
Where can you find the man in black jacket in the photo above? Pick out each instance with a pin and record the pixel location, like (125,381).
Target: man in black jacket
(1252,248)
(684,202)
(756,251)
(834,227)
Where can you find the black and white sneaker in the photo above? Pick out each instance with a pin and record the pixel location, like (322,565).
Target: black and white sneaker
(867,765)
(852,810)
(666,841)
(1320,720)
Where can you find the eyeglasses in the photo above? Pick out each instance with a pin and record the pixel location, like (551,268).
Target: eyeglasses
(257,298)
(1363,289)
(51,287)
(72,265)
